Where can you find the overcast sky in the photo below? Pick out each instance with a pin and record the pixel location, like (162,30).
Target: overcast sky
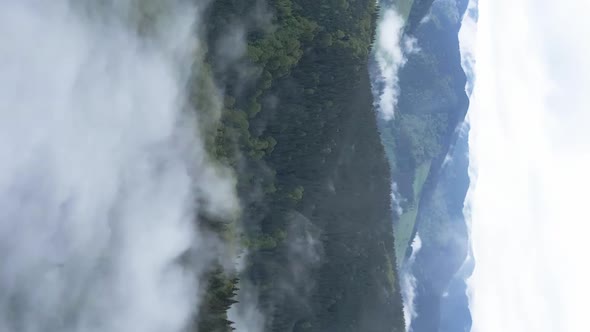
(530,155)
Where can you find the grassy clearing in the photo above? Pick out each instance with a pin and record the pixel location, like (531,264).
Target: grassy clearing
(421,176)
(404,7)
(403,233)
(405,227)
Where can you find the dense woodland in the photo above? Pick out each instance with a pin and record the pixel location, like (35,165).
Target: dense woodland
(314,168)
(299,130)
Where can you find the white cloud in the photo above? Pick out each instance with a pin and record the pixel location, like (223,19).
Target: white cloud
(408,284)
(411,45)
(98,184)
(390,58)
(530,156)
(245,314)
(397,200)
(467,43)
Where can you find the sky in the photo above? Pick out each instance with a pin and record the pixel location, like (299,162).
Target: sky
(530,156)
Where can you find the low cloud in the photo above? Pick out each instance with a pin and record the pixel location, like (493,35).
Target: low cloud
(411,45)
(246,314)
(408,284)
(304,252)
(103,172)
(467,43)
(389,57)
(397,200)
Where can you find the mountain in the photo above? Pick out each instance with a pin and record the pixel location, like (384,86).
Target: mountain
(218,165)
(431,106)
(426,142)
(299,130)
(440,267)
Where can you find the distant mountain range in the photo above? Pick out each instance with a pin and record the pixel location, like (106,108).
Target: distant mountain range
(428,142)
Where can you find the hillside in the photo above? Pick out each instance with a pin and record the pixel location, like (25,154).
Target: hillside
(431,106)
(427,147)
(298,128)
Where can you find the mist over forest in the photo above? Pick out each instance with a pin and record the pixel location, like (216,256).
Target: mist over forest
(225,165)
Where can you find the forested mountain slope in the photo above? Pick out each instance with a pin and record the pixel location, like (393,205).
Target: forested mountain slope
(431,106)
(440,268)
(178,165)
(426,143)
(299,130)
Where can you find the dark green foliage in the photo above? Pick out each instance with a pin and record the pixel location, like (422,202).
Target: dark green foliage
(299,129)
(218,298)
(357,284)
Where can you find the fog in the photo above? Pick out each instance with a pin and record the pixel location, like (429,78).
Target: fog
(408,284)
(389,58)
(102,171)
